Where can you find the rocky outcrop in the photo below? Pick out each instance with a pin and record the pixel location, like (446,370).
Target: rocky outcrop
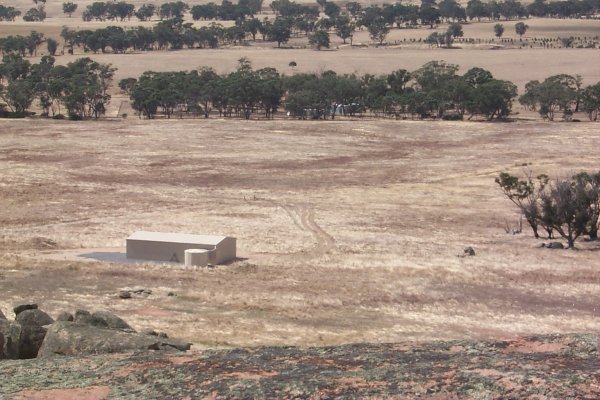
(71,338)
(10,334)
(34,333)
(22,307)
(34,317)
(65,316)
(2,316)
(538,367)
(101,319)
(30,341)
(33,330)
(105,319)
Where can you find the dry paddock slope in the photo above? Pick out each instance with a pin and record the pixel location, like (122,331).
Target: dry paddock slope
(349,230)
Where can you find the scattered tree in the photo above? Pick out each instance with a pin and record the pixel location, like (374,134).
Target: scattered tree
(319,39)
(591,101)
(344,28)
(280,31)
(378,31)
(52,46)
(69,8)
(498,30)
(454,30)
(36,14)
(556,93)
(570,207)
(8,13)
(521,28)
(145,12)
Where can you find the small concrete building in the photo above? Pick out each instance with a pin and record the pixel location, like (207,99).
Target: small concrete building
(171,247)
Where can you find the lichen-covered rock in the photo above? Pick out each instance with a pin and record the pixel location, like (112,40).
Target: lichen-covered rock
(469,251)
(537,367)
(10,334)
(69,338)
(83,317)
(106,319)
(34,317)
(22,307)
(32,337)
(65,316)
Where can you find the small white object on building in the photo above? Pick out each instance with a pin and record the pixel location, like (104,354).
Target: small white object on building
(196,257)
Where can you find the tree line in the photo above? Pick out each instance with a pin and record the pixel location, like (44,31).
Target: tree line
(429,12)
(101,11)
(80,88)
(562,94)
(436,90)
(568,206)
(291,19)
(170,34)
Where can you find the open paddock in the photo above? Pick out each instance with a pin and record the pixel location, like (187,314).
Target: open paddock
(347,231)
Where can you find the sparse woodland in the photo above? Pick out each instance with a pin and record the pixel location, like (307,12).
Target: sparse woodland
(436,90)
(568,207)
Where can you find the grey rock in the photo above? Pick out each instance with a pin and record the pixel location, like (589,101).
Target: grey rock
(22,307)
(469,251)
(555,245)
(69,338)
(106,319)
(125,294)
(168,343)
(10,334)
(32,337)
(65,316)
(83,317)
(142,291)
(2,316)
(34,317)
(152,332)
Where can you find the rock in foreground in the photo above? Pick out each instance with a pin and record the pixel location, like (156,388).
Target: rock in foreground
(70,338)
(543,367)
(34,333)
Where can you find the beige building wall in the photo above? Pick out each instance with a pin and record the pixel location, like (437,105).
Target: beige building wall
(171,247)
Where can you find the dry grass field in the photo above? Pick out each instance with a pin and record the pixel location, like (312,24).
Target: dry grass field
(348,231)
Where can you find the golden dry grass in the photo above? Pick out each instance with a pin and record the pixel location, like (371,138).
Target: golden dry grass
(350,230)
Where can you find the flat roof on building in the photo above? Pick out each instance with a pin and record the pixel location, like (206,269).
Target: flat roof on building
(176,237)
